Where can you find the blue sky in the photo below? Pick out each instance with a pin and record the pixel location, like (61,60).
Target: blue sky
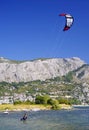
(31,29)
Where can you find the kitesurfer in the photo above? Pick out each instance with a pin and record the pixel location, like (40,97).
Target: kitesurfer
(24,117)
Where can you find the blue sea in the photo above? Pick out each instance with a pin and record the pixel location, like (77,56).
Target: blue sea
(76,119)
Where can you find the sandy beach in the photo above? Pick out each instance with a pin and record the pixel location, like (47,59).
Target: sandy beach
(22,107)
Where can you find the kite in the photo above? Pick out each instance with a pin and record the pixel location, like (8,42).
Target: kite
(69,21)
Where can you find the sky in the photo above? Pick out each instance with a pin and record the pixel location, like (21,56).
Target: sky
(32,29)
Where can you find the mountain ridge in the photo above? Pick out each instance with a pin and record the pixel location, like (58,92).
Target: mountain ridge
(55,76)
(39,69)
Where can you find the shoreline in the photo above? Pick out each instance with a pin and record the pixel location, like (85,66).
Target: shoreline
(22,107)
(80,105)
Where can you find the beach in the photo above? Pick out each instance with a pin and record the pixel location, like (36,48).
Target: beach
(24,107)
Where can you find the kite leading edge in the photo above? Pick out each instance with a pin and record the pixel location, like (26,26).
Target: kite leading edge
(69,21)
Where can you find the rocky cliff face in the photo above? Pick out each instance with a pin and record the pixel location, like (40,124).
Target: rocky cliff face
(82,73)
(12,71)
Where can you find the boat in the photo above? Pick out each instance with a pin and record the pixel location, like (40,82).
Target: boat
(6,112)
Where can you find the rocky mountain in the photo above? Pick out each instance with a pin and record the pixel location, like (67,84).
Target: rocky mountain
(82,73)
(57,77)
(41,69)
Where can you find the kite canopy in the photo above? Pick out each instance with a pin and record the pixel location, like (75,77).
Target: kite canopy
(69,21)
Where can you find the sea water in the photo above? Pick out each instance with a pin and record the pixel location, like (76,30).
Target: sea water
(76,119)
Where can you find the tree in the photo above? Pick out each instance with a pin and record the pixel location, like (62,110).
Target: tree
(42,99)
(54,103)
